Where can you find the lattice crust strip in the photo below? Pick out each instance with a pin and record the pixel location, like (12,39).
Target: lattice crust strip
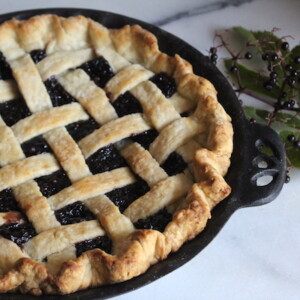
(203,139)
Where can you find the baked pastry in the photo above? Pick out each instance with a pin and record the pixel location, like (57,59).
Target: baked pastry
(112,154)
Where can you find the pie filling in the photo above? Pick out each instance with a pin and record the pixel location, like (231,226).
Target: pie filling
(105,159)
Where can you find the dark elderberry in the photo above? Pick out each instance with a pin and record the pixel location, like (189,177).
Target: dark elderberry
(292,102)
(265,56)
(252,120)
(297,60)
(248,55)
(289,67)
(283,95)
(285,46)
(274,57)
(233,69)
(287,179)
(287,105)
(297,144)
(165,83)
(294,73)
(214,58)
(291,138)
(291,81)
(273,80)
(273,75)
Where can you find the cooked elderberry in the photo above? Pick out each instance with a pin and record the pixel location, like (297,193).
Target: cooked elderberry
(99,70)
(8,201)
(174,164)
(123,197)
(37,55)
(105,159)
(74,213)
(17,233)
(157,221)
(165,83)
(58,95)
(100,242)
(127,104)
(53,183)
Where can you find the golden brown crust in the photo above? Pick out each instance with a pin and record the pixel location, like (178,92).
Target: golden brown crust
(133,253)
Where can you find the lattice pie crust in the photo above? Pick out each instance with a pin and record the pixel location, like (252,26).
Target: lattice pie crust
(47,262)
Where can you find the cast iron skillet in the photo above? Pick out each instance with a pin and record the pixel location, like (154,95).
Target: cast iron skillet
(242,175)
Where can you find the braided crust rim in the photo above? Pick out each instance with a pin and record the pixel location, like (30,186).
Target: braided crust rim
(142,248)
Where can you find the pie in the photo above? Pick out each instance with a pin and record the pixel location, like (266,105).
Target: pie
(112,154)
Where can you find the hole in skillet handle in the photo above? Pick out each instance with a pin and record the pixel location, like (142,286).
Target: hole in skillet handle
(267,166)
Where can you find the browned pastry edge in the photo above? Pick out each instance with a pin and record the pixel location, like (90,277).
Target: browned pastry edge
(143,247)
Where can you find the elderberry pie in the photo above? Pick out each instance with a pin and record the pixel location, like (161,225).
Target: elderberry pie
(112,154)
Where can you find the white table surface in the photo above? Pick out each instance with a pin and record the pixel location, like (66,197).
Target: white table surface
(257,253)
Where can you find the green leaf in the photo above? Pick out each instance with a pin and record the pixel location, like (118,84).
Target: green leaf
(244,35)
(267,40)
(292,152)
(251,80)
(257,114)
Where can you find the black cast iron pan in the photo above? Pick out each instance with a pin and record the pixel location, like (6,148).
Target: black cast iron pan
(243,173)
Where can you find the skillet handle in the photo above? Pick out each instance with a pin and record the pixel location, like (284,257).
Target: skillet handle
(268,162)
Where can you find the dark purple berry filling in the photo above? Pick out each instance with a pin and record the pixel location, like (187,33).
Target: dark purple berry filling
(105,159)
(127,104)
(17,233)
(74,213)
(101,242)
(53,183)
(5,70)
(14,110)
(58,95)
(165,83)
(37,55)
(174,164)
(124,196)
(99,71)
(8,201)
(145,138)
(35,146)
(157,221)
(81,129)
